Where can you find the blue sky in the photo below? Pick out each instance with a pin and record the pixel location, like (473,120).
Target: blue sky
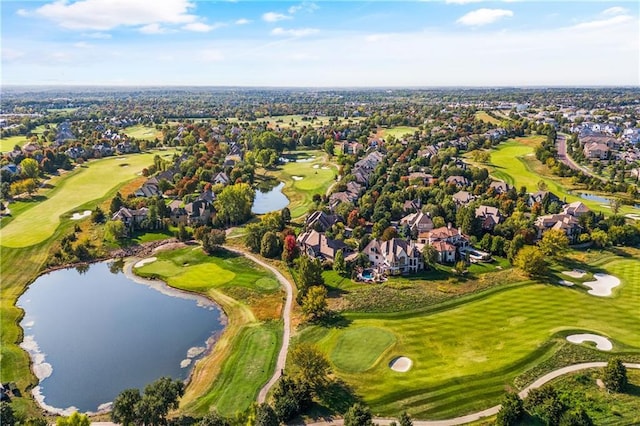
(320,43)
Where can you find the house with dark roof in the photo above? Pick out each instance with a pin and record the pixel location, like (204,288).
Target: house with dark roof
(130,217)
(457,180)
(563,222)
(198,212)
(500,187)
(462,198)
(316,245)
(542,197)
(321,221)
(489,217)
(418,222)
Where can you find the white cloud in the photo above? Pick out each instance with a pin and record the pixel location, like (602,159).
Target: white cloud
(98,35)
(298,32)
(603,23)
(616,10)
(82,45)
(374,38)
(102,15)
(22,12)
(274,17)
(211,55)
(152,29)
(242,21)
(483,17)
(201,27)
(305,6)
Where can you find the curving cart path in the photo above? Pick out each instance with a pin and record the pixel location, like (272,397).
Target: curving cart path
(286,316)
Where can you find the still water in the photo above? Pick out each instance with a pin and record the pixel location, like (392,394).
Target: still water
(270,201)
(94,333)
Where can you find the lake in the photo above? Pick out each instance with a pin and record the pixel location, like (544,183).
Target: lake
(599,198)
(270,201)
(93,333)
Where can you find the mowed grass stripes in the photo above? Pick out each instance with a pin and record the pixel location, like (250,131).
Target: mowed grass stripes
(464,357)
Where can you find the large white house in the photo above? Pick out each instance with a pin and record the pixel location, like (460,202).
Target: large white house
(395,257)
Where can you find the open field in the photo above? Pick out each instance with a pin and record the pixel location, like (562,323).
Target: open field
(483,116)
(467,352)
(302,180)
(140,131)
(522,172)
(243,359)
(7,144)
(398,132)
(88,182)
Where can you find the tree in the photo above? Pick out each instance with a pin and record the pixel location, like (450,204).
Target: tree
(615,376)
(459,267)
(289,249)
(285,214)
(270,245)
(75,419)
(339,264)
(600,238)
(159,397)
(468,222)
(516,244)
(545,404)
(309,274)
(429,255)
(183,234)
(234,203)
(212,241)
(531,260)
(29,168)
(614,203)
(405,419)
(290,398)
(253,236)
(511,411)
(310,366)
(358,415)
(314,303)
(265,416)
(124,407)
(6,414)
(554,242)
(97,216)
(389,233)
(114,230)
(213,419)
(116,203)
(30,185)
(576,417)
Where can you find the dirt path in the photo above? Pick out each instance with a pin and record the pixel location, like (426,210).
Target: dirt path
(286,316)
(493,410)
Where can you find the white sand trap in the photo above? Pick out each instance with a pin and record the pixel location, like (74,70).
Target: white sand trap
(603,285)
(316,166)
(566,283)
(324,168)
(576,273)
(78,216)
(602,343)
(145,261)
(401,364)
(297,177)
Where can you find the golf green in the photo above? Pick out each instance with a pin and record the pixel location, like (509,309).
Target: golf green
(358,349)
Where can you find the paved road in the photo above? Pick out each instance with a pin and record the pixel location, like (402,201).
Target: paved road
(561,146)
(286,316)
(493,410)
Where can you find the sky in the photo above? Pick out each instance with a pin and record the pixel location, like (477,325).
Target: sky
(320,43)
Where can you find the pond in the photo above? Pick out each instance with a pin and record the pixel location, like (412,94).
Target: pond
(95,332)
(598,198)
(270,201)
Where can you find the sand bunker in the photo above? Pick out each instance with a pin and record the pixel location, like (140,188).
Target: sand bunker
(297,177)
(324,168)
(576,273)
(603,285)
(565,283)
(401,364)
(316,166)
(145,261)
(602,343)
(78,216)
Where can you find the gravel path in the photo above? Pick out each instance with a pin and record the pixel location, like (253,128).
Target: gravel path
(286,316)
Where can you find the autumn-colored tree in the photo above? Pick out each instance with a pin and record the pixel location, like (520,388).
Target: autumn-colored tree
(290,249)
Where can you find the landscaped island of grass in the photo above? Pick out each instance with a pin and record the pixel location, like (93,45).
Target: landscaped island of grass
(243,359)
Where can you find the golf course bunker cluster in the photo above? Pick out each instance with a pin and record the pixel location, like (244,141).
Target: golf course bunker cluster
(602,343)
(401,364)
(602,285)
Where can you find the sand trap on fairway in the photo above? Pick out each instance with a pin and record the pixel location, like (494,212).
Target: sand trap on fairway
(78,216)
(145,261)
(602,343)
(401,364)
(297,177)
(603,284)
(324,168)
(576,273)
(566,283)
(316,166)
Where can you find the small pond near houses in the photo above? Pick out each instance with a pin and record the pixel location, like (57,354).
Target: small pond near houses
(93,332)
(270,201)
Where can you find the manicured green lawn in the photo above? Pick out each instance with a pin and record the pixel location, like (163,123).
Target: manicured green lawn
(302,180)
(245,354)
(140,131)
(512,162)
(464,356)
(7,144)
(483,116)
(399,131)
(348,354)
(89,182)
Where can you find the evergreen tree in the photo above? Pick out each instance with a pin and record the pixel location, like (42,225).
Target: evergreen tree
(615,376)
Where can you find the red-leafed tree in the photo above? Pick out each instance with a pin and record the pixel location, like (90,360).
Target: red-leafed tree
(290,249)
